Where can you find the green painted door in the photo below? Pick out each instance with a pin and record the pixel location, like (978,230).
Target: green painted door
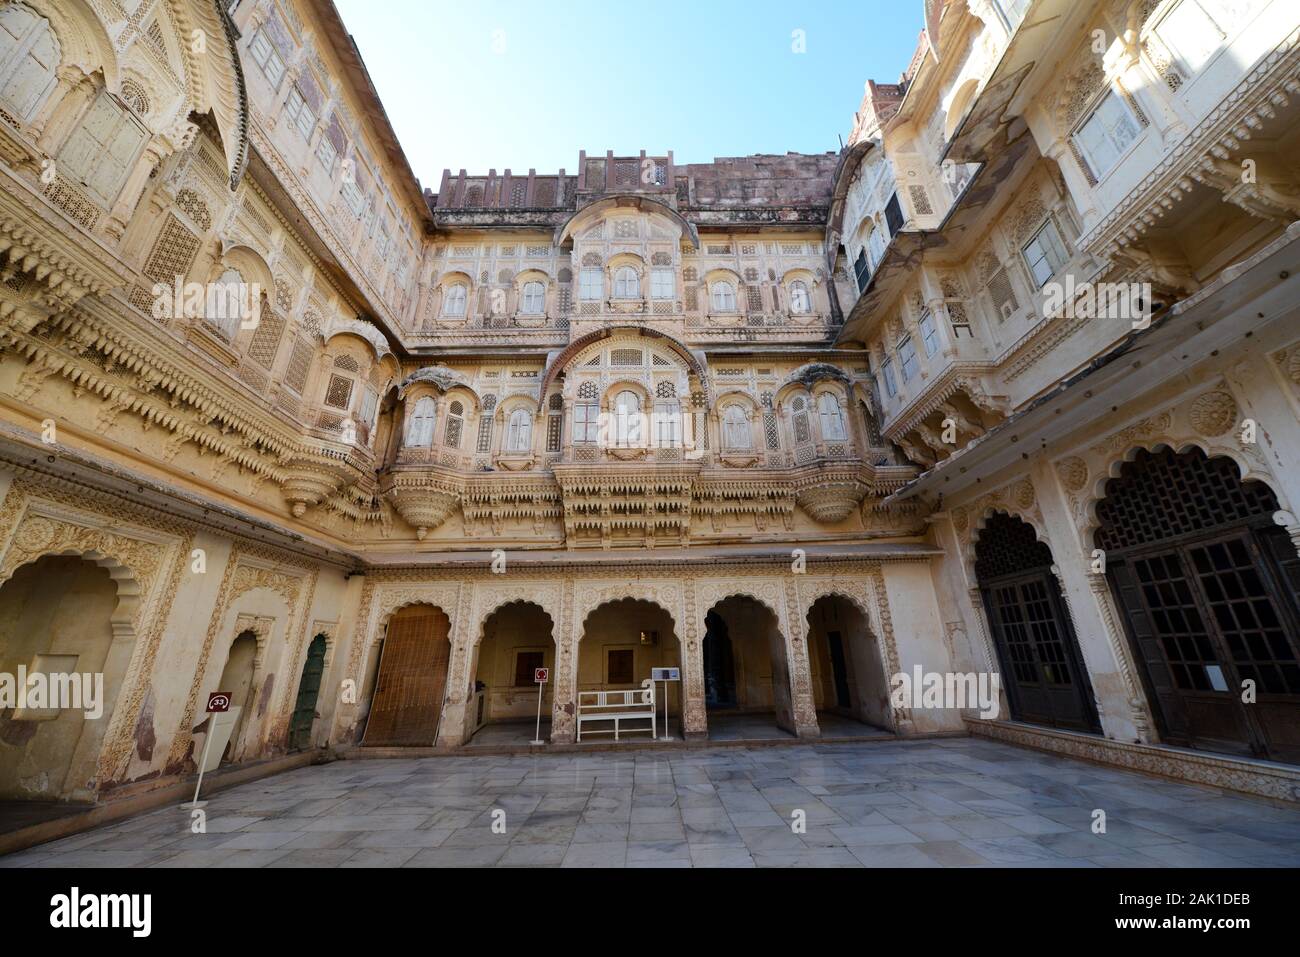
(304,712)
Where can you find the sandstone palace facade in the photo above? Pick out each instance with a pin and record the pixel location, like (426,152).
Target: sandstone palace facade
(1010,384)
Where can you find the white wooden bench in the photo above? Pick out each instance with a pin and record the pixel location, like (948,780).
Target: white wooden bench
(618,706)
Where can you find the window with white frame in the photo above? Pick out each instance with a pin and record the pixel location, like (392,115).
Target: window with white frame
(1011,11)
(369,409)
(102,151)
(1045,253)
(832,417)
(326,154)
(929,334)
(519,431)
(352,194)
(267,58)
(227,303)
(668,423)
(887,370)
(1194,30)
(299,115)
(627,419)
(29,59)
(627,285)
(586,422)
(724,297)
(591,284)
(534,301)
(419,428)
(1108,131)
(907,358)
(663,284)
(800,301)
(735,428)
(453,303)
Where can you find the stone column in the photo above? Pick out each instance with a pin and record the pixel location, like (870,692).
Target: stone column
(451,724)
(803,706)
(564,692)
(129,197)
(1119,702)
(695,720)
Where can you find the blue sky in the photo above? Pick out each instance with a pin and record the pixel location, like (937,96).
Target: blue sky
(481,84)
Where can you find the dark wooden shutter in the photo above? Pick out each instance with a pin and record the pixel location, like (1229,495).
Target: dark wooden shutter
(412,679)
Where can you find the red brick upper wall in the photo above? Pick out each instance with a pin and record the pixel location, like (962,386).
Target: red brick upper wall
(791,179)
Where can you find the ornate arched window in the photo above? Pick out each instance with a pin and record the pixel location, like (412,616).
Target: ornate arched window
(419,428)
(800,301)
(724,297)
(627,418)
(534,299)
(454,303)
(832,418)
(799,414)
(519,432)
(29,59)
(735,428)
(627,285)
(455,425)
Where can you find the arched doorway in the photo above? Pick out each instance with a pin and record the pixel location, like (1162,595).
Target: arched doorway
(517,640)
(757,684)
(304,711)
(719,665)
(1042,669)
(850,686)
(411,686)
(237,679)
(1208,586)
(56,617)
(621,642)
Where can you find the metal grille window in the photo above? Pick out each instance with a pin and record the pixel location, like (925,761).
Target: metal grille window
(455,425)
(339,393)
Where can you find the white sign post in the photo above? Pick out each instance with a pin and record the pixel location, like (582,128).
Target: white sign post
(218,703)
(540,675)
(666,675)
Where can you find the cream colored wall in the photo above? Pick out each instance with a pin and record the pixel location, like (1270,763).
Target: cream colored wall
(919,636)
(56,606)
(510,631)
(619,626)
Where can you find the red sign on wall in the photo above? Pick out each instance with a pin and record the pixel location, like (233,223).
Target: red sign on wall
(218,702)
(541,675)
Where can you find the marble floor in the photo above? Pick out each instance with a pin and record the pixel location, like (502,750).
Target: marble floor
(953,802)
